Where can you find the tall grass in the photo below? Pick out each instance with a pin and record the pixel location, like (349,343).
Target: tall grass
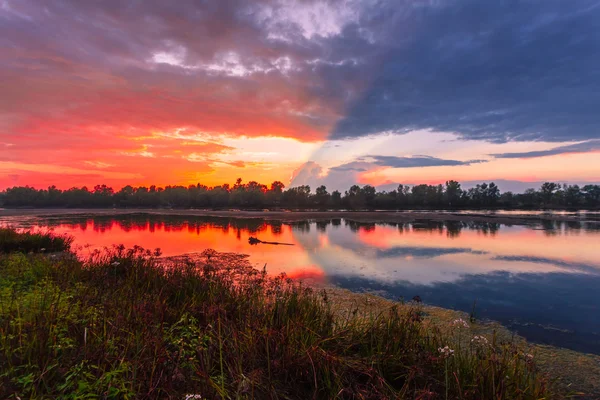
(12,240)
(126,324)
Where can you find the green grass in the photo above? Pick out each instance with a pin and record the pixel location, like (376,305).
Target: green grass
(125,324)
(12,240)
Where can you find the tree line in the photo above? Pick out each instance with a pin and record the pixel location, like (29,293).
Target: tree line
(254,195)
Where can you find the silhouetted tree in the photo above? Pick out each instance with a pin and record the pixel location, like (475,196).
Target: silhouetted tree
(453,194)
(255,195)
(322,197)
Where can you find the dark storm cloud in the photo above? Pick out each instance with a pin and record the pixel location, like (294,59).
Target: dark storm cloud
(495,71)
(417,161)
(583,147)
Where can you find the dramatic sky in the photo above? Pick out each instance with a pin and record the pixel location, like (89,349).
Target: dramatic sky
(306,92)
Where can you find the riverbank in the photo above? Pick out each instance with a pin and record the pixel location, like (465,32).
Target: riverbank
(575,373)
(514,218)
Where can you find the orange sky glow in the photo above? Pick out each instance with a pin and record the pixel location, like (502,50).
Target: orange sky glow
(307,92)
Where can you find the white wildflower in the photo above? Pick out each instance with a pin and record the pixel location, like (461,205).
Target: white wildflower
(192,396)
(43,249)
(446,351)
(116,264)
(461,323)
(479,340)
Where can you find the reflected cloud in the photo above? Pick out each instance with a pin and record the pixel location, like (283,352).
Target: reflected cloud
(587,268)
(423,252)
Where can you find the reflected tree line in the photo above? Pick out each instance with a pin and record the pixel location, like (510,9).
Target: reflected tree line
(131,223)
(254,226)
(253,195)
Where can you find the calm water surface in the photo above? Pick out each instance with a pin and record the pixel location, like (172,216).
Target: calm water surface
(541,280)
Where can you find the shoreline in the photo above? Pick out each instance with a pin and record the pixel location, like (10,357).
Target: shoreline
(518,218)
(576,372)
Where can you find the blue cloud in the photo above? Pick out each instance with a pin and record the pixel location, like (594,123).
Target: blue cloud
(422,252)
(583,147)
(417,161)
(496,71)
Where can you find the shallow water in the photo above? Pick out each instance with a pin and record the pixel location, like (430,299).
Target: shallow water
(541,280)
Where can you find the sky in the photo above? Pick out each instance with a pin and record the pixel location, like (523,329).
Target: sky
(336,92)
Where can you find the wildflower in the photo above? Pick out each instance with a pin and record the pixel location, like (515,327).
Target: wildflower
(43,249)
(446,351)
(529,357)
(479,340)
(192,396)
(461,323)
(115,264)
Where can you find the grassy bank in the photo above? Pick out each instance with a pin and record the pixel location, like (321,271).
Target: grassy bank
(12,240)
(127,324)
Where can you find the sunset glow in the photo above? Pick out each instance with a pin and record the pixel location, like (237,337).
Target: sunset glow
(305,92)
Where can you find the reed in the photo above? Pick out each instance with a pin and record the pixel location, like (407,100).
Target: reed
(12,240)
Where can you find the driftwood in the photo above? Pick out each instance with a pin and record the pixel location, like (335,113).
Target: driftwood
(253,241)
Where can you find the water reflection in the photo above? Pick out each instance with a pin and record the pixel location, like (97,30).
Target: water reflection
(540,279)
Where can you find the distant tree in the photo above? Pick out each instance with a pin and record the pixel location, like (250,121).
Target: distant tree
(591,194)
(322,197)
(275,194)
(354,198)
(297,196)
(453,193)
(103,196)
(492,195)
(573,196)
(336,199)
(256,195)
(369,192)
(548,190)
(530,198)
(124,197)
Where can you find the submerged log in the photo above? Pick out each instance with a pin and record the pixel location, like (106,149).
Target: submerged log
(253,241)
